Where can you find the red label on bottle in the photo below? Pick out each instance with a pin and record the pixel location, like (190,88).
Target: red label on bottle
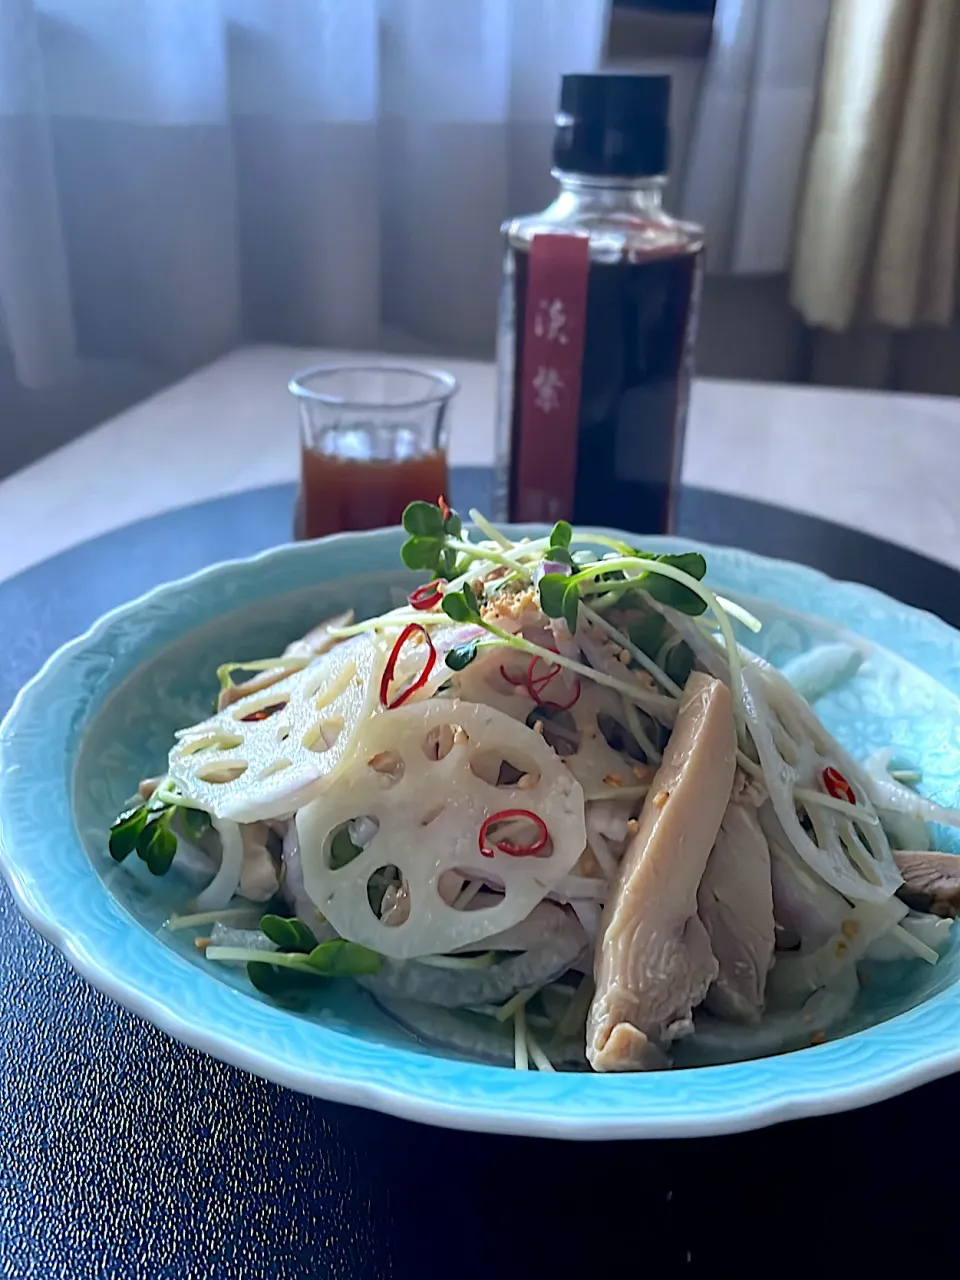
(553,335)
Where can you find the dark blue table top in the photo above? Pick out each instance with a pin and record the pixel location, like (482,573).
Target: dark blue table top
(125,1154)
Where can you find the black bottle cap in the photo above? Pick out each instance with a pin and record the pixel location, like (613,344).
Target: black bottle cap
(613,126)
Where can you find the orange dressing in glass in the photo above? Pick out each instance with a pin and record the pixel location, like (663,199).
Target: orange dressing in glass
(337,493)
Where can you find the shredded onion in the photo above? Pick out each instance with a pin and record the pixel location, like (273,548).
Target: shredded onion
(226,882)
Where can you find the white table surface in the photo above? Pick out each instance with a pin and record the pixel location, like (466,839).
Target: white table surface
(882,463)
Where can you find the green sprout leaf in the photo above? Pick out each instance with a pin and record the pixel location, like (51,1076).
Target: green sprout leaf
(194,821)
(679,663)
(423,520)
(286,986)
(461,655)
(125,831)
(341,959)
(647,633)
(453,525)
(157,845)
(342,850)
(631,602)
(560,554)
(675,594)
(289,934)
(447,564)
(552,589)
(571,606)
(691,562)
(561,534)
(422,553)
(461,606)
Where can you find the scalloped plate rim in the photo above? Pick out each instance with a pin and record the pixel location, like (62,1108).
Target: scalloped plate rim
(535,1114)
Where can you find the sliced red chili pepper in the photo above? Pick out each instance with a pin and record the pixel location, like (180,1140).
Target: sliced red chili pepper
(527,850)
(427,596)
(514,680)
(444,508)
(391,667)
(265,712)
(537,684)
(837,785)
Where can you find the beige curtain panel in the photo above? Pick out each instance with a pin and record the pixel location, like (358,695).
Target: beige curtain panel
(878,228)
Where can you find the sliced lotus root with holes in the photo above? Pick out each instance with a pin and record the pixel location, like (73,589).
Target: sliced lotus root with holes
(481,681)
(586,753)
(263,755)
(429,822)
(596,764)
(794,750)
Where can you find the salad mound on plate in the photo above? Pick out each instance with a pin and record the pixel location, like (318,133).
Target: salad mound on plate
(549,811)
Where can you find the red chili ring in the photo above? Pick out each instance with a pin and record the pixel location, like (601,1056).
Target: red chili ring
(510,679)
(536,686)
(264,713)
(444,508)
(837,786)
(562,706)
(391,667)
(427,596)
(507,846)
(552,672)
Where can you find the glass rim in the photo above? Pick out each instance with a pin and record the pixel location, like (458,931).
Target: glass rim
(446,385)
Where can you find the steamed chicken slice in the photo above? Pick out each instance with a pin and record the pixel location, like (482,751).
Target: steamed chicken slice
(653,962)
(931,882)
(736,906)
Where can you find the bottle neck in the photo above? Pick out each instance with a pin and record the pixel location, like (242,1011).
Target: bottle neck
(582,193)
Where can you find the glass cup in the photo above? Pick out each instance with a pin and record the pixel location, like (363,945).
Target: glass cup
(373,438)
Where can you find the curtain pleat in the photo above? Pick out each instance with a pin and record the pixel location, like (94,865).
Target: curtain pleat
(917,182)
(751,130)
(179,175)
(36,318)
(878,227)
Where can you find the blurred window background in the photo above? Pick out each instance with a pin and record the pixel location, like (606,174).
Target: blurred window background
(178,177)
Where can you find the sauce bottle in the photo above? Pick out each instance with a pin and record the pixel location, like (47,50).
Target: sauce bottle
(598,320)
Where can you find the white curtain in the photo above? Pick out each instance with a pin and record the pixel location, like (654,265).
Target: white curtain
(177,175)
(745,160)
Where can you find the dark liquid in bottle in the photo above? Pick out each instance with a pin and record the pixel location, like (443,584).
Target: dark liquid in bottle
(634,385)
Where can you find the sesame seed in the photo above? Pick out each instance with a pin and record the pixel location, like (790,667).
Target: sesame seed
(661,798)
(612,780)
(849,928)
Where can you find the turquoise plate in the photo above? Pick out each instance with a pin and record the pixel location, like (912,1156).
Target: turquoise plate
(102,712)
